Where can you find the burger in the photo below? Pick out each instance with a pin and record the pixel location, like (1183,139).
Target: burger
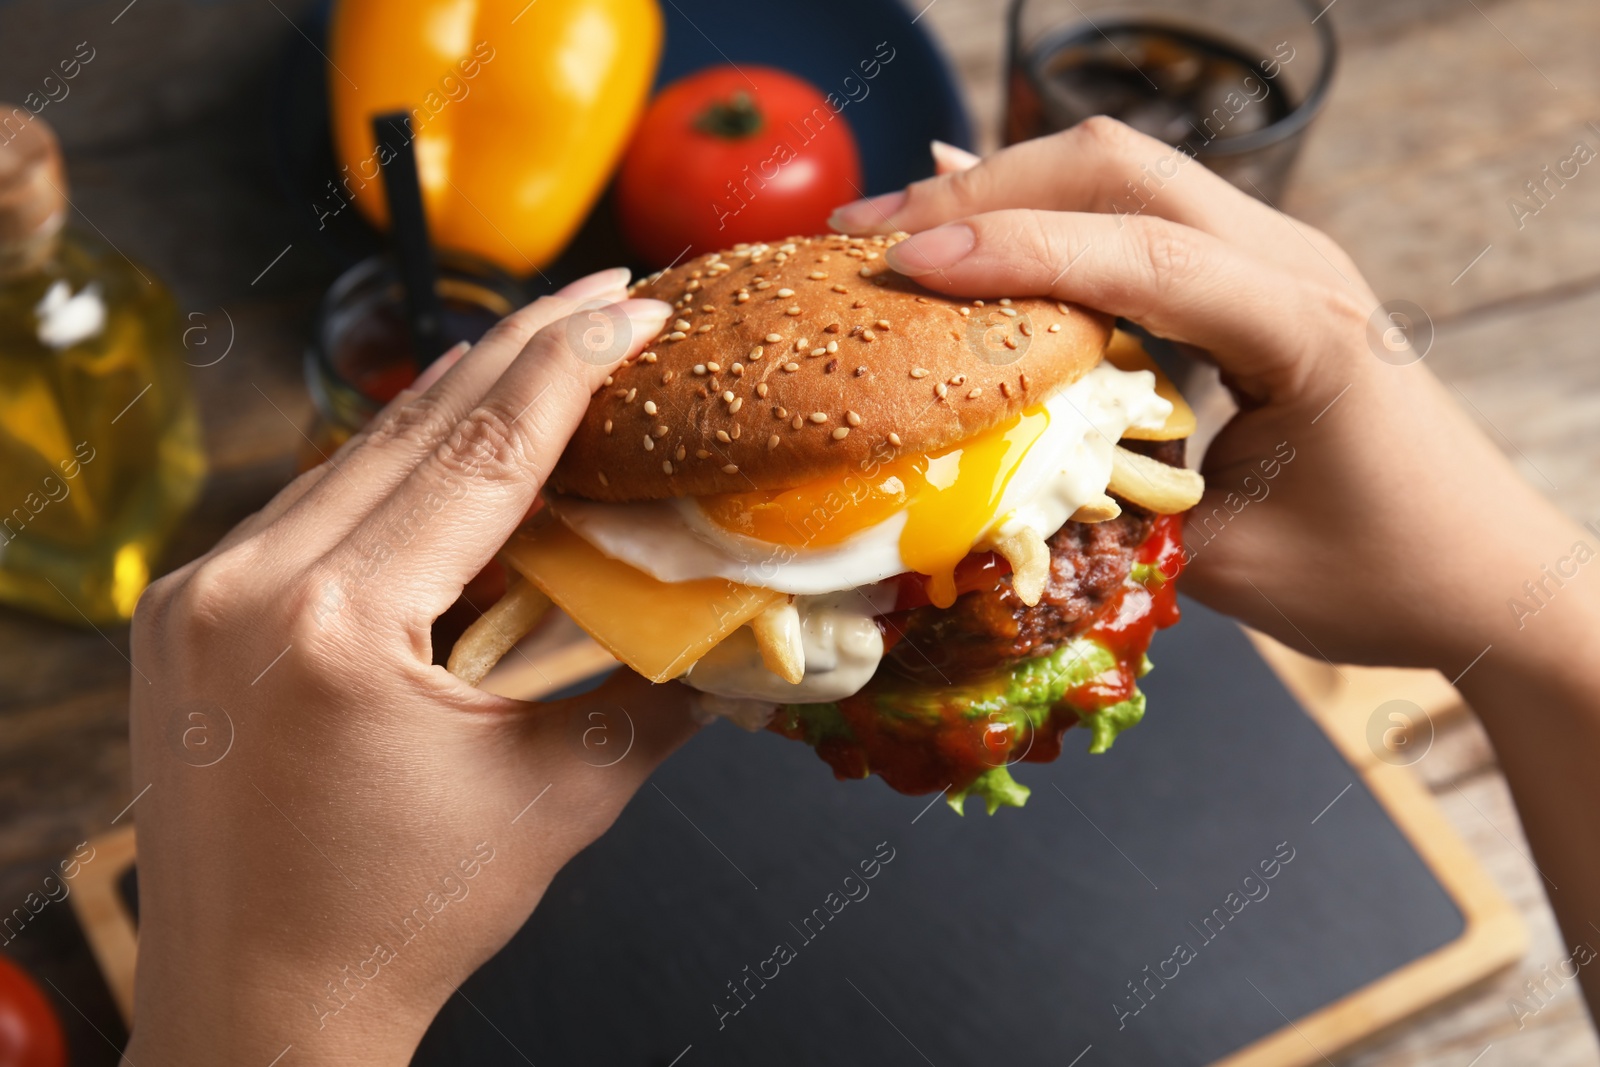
(924,535)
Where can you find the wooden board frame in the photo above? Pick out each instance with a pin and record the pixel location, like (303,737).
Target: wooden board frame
(1337,699)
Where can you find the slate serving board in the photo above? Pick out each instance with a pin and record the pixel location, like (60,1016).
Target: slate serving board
(982,940)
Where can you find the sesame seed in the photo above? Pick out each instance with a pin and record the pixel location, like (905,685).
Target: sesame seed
(666,466)
(772,339)
(874,255)
(763,284)
(832,346)
(701,453)
(699,368)
(894,439)
(736,433)
(1061,307)
(833,365)
(868,335)
(772,442)
(820,351)
(1022,380)
(1005,301)
(730,468)
(780,412)
(678,455)
(660,431)
(628,397)
(649,443)
(940,390)
(733,408)
(975,392)
(609,379)
(761,390)
(798,422)
(959,379)
(705,328)
(713,367)
(919,372)
(708,308)
(1055,327)
(727,396)
(791,367)
(1024,329)
(882,324)
(784,294)
(667,376)
(832,327)
(676,335)
(603,479)
(977,303)
(1010,313)
(1005,389)
(649,407)
(817,275)
(681,324)
(608,426)
(741,298)
(819,416)
(1011,342)
(858,304)
(756,353)
(792,310)
(738,370)
(648,357)
(865,272)
(694,283)
(860,371)
(722,435)
(800,345)
(839,288)
(853,418)
(964,311)
(841,432)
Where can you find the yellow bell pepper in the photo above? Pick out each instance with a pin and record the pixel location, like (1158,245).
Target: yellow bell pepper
(520,110)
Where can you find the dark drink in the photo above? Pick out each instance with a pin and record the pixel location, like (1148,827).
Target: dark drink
(1225,103)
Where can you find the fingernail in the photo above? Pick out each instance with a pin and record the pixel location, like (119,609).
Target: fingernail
(647,315)
(437,368)
(871,215)
(947,158)
(932,250)
(601,281)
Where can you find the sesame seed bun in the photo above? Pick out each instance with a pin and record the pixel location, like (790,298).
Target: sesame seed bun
(792,362)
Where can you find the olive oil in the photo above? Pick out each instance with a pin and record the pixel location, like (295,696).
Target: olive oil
(100,452)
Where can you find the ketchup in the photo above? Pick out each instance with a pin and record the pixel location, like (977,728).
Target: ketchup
(941,746)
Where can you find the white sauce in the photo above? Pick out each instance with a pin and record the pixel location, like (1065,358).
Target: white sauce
(842,650)
(1068,466)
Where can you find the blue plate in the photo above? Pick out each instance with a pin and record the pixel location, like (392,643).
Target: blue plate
(911,99)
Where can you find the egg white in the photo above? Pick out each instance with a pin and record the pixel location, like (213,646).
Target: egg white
(1068,466)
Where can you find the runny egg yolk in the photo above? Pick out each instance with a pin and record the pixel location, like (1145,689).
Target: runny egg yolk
(949,498)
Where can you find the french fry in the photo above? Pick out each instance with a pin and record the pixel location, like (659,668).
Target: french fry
(1029,557)
(511,618)
(1102,510)
(1152,484)
(777,631)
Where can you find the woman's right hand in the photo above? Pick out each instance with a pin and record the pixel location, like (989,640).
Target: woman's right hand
(1351,509)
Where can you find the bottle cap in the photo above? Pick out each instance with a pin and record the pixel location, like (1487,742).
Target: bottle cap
(33,186)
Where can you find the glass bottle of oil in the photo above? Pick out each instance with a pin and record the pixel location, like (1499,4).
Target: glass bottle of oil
(100,452)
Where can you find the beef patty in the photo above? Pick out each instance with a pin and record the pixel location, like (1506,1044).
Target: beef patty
(990,628)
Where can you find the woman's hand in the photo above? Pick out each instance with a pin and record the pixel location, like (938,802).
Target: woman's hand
(1351,510)
(333,832)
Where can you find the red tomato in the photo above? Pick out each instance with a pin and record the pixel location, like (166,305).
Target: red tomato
(729,155)
(30,1033)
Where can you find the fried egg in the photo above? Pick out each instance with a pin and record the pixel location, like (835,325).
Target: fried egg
(922,513)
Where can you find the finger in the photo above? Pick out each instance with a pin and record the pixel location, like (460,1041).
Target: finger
(1176,281)
(1101,165)
(948,159)
(450,514)
(369,466)
(259,520)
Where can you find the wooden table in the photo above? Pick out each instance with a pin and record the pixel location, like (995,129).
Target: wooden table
(1441,111)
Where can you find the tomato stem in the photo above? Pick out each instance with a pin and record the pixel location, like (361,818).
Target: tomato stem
(732,119)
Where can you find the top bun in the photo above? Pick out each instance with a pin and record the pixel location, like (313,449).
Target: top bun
(797,361)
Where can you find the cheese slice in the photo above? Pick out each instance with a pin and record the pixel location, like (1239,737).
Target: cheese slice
(1126,353)
(660,629)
